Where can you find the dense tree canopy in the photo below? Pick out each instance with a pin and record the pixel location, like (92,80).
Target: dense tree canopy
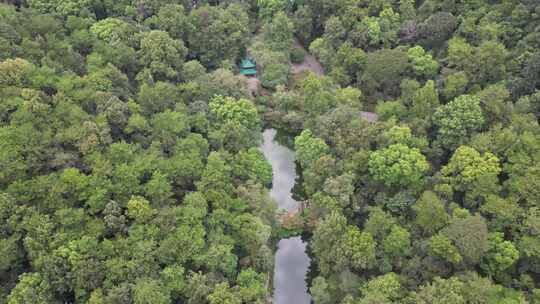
(130,170)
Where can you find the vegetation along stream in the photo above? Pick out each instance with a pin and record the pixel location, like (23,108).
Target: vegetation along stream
(291,261)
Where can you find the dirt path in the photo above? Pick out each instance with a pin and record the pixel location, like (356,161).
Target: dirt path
(253,85)
(310,63)
(369,116)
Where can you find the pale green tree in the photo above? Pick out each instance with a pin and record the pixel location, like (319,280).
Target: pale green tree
(468,167)
(440,246)
(360,248)
(500,255)
(398,165)
(423,63)
(458,120)
(387,286)
(309,148)
(441,291)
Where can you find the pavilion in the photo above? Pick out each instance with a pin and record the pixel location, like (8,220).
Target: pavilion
(248,67)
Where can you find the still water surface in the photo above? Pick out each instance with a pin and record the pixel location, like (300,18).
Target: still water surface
(291,261)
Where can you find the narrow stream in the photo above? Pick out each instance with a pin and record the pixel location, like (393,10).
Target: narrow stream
(291,261)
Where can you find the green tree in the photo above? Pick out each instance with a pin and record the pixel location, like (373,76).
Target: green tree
(319,291)
(398,165)
(437,29)
(319,94)
(430,212)
(482,290)
(441,291)
(251,164)
(470,236)
(251,232)
(322,49)
(423,64)
(252,286)
(274,75)
(168,126)
(327,243)
(441,246)
(159,189)
(278,33)
(379,223)
(468,167)
(242,111)
(360,248)
(455,85)
(173,278)
(31,288)
(112,30)
(15,72)
(502,213)
(190,237)
(224,294)
(139,209)
(216,177)
(387,286)
(64,8)
(491,62)
(150,291)
(218,34)
(424,100)
(316,174)
(158,97)
(407,9)
(398,243)
(374,31)
(269,8)
(384,69)
(309,148)
(460,54)
(334,32)
(162,55)
(457,120)
(235,123)
(198,288)
(172,19)
(341,188)
(221,258)
(500,255)
(303,22)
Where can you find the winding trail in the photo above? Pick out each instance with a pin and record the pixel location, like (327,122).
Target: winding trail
(310,63)
(253,85)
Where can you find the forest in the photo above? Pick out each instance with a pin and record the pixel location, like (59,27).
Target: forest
(130,171)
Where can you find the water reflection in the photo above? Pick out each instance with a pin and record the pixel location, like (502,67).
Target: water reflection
(283,168)
(291,261)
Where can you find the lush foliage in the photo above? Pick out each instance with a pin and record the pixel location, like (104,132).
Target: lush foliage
(129,168)
(434,199)
(130,174)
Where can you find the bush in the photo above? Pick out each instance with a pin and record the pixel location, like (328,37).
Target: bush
(274,75)
(297,55)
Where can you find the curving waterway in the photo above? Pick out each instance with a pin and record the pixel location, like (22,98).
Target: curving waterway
(291,260)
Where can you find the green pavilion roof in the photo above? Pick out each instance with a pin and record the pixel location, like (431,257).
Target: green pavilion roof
(248,72)
(247,64)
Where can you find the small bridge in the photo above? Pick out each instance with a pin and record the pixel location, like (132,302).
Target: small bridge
(294,220)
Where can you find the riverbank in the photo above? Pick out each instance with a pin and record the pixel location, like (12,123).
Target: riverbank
(291,260)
